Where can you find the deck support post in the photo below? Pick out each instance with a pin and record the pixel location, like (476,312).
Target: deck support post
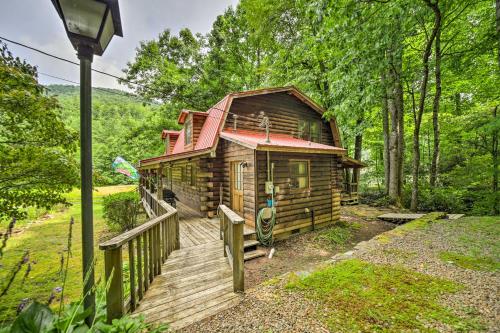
(114,277)
(238,261)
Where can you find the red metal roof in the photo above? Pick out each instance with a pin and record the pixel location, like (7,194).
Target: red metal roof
(208,132)
(257,140)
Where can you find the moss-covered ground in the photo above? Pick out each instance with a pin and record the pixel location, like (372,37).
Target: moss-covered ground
(355,295)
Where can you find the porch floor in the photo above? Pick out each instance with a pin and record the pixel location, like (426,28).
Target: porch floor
(196,281)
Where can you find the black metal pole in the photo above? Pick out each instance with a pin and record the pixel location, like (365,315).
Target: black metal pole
(85,54)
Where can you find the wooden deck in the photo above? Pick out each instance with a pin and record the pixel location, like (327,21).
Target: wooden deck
(196,281)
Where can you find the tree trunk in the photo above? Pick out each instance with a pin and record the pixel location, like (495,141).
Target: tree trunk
(393,147)
(435,108)
(358,144)
(401,121)
(385,123)
(421,104)
(494,152)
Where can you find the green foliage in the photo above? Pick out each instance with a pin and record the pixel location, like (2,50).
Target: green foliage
(37,162)
(354,295)
(37,317)
(122,125)
(121,210)
(339,234)
(447,199)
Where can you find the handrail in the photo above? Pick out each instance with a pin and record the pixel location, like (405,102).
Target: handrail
(149,245)
(231,225)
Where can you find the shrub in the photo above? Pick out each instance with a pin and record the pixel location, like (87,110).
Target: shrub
(442,199)
(121,210)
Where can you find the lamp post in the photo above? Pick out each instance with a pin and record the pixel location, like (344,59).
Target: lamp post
(90,25)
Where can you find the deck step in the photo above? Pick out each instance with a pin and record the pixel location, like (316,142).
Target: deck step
(249,233)
(250,243)
(254,254)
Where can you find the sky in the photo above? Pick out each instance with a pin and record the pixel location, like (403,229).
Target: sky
(36,23)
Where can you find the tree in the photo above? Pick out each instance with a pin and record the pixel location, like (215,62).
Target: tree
(169,69)
(421,105)
(36,148)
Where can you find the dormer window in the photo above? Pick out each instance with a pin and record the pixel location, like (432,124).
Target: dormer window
(309,130)
(188,131)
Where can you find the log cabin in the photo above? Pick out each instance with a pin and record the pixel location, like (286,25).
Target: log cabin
(251,150)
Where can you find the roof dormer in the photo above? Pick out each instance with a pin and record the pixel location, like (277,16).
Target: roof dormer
(170,138)
(193,122)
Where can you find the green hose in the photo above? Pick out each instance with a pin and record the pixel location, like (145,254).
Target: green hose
(265,227)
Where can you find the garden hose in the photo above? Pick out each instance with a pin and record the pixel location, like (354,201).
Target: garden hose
(265,227)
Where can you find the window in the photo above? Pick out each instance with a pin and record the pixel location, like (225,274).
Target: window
(315,131)
(188,131)
(299,174)
(238,176)
(309,130)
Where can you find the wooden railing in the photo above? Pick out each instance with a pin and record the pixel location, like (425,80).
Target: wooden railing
(231,225)
(149,245)
(350,188)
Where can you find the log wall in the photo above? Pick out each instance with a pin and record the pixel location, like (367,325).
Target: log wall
(323,195)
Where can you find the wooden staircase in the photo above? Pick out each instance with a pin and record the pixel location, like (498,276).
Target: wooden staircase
(251,244)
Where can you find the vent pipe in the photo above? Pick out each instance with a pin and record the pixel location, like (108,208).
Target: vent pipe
(235,122)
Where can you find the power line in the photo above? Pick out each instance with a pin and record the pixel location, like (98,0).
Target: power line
(134,96)
(67,60)
(100,72)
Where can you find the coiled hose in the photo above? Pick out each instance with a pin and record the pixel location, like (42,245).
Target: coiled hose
(265,227)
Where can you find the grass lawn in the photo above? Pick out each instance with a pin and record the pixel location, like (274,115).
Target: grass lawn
(46,240)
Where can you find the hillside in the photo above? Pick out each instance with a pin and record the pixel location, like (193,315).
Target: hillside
(122,126)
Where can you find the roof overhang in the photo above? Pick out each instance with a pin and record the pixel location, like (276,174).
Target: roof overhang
(172,133)
(185,112)
(349,162)
(154,162)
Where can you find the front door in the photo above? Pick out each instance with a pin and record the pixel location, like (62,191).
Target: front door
(236,180)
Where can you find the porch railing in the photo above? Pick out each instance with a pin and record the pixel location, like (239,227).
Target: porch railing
(149,245)
(232,233)
(350,188)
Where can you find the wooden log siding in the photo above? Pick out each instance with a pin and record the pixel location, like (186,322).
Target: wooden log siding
(203,196)
(323,196)
(149,245)
(284,112)
(232,231)
(231,152)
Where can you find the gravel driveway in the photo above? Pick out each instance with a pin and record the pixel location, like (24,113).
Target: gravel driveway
(270,307)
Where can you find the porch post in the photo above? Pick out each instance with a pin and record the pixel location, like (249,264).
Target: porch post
(159,193)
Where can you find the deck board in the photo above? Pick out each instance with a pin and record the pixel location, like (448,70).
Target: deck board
(196,280)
